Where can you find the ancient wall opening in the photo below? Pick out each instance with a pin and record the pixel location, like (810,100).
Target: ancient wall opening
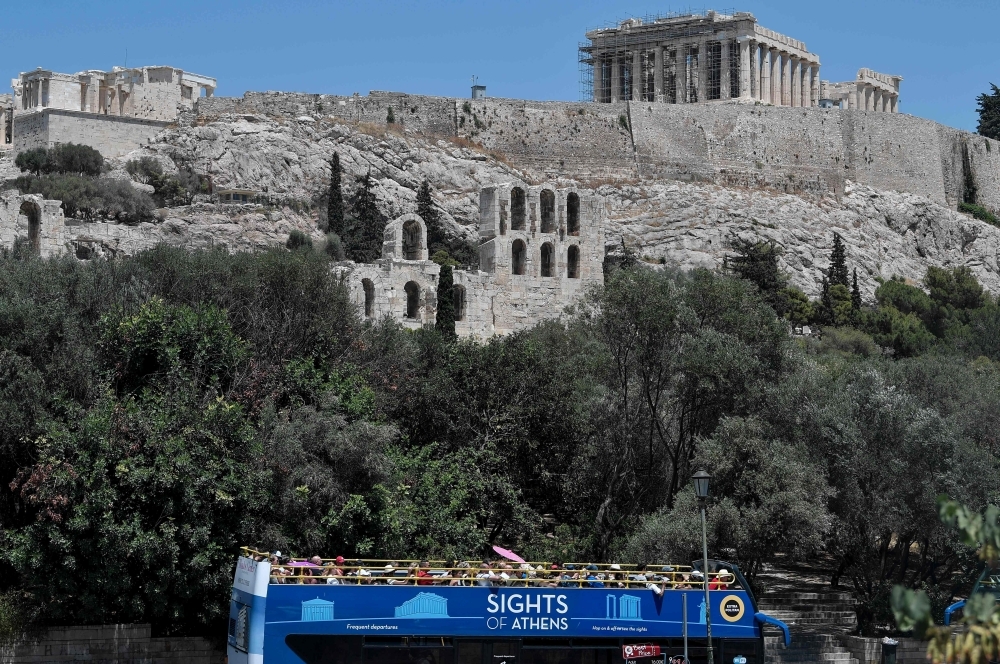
(518,257)
(573,262)
(412,240)
(31,210)
(548,260)
(714,54)
(547,198)
(517,209)
(459,296)
(573,213)
(412,299)
(369,297)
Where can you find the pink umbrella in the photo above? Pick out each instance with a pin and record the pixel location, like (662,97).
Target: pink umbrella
(509,555)
(302,563)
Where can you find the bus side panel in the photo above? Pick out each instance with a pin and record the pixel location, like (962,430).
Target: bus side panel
(246,612)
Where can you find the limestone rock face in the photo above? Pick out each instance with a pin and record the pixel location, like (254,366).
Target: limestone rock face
(686,224)
(886,233)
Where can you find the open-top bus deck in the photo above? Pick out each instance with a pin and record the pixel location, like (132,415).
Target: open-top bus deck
(373,612)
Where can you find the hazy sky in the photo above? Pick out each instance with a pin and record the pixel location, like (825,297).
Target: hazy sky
(947,52)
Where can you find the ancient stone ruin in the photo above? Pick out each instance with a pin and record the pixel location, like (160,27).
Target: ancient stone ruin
(113,111)
(540,246)
(698,58)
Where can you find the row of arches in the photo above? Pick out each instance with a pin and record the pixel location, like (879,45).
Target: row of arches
(547,213)
(411,308)
(519,259)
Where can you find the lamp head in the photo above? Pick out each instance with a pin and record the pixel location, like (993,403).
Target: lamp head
(701,480)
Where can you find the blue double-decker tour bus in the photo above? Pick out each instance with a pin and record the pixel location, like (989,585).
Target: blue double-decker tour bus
(288,611)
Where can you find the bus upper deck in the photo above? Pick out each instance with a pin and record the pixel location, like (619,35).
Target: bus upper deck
(387,612)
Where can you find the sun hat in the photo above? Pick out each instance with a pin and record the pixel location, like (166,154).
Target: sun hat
(389,568)
(616,567)
(666,568)
(591,568)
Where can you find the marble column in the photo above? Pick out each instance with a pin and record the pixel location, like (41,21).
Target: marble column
(786,79)
(745,70)
(598,81)
(637,75)
(724,70)
(658,74)
(796,82)
(804,85)
(703,70)
(765,75)
(616,78)
(894,104)
(814,101)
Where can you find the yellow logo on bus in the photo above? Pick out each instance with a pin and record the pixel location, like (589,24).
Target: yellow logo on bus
(731,608)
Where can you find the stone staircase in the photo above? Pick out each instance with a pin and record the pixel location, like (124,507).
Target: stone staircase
(816,615)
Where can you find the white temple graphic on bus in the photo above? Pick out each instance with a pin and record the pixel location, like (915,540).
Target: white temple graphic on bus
(628,607)
(424,605)
(317,609)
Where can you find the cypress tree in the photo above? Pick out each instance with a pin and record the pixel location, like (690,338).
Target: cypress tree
(427,212)
(335,204)
(445,322)
(838,263)
(364,243)
(989,114)
(855,292)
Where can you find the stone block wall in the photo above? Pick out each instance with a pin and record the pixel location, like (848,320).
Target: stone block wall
(112,136)
(108,644)
(796,150)
(35,220)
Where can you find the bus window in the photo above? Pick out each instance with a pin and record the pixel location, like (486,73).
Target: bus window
(325,649)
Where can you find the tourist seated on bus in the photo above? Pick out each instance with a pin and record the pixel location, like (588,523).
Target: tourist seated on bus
(567,576)
(424,577)
(683,582)
(486,576)
(389,574)
(592,580)
(697,579)
(332,574)
(721,580)
(639,577)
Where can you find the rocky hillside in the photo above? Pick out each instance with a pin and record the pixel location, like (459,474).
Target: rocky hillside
(683,224)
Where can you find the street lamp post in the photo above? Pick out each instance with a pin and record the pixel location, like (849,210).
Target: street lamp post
(701,479)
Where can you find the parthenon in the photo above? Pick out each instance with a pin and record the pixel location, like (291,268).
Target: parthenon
(696,58)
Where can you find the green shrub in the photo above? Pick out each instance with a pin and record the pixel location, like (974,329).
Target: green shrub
(390,117)
(168,190)
(979,212)
(298,240)
(334,247)
(623,122)
(92,198)
(61,159)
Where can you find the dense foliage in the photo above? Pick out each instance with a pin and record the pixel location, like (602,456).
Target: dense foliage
(989,113)
(64,159)
(91,198)
(168,190)
(162,410)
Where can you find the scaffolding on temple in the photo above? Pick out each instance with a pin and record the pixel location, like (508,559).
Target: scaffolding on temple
(612,41)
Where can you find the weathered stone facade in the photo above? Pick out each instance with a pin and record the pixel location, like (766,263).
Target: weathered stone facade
(113,112)
(870,91)
(540,247)
(698,58)
(37,223)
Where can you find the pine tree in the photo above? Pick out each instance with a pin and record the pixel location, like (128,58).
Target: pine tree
(989,114)
(445,323)
(427,212)
(855,292)
(335,203)
(837,273)
(824,313)
(364,244)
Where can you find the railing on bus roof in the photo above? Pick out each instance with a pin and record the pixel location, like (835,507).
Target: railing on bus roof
(470,573)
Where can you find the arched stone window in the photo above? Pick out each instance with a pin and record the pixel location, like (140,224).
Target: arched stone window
(573,214)
(548,203)
(34,215)
(573,262)
(548,260)
(518,257)
(369,297)
(517,208)
(459,293)
(412,299)
(411,240)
